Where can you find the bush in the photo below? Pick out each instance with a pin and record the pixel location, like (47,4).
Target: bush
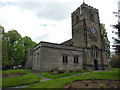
(66,73)
(57,71)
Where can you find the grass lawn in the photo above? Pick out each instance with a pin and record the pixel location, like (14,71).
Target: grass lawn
(61,82)
(12,71)
(27,78)
(0,78)
(0,82)
(54,76)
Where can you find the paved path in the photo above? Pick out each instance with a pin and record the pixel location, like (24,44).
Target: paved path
(42,77)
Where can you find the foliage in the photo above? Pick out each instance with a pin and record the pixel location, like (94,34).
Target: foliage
(54,76)
(15,49)
(28,78)
(114,61)
(101,85)
(28,44)
(1,30)
(61,82)
(10,41)
(106,42)
(117,40)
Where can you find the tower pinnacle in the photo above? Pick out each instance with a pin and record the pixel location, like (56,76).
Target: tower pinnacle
(83,1)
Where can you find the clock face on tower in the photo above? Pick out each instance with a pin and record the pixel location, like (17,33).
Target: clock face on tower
(93,30)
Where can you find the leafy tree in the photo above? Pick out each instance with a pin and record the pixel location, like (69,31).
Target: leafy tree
(117,40)
(5,62)
(15,49)
(9,41)
(106,42)
(115,59)
(28,45)
(1,31)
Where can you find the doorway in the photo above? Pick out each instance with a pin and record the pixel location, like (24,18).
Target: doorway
(96,64)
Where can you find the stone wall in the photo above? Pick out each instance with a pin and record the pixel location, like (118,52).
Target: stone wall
(51,57)
(29,62)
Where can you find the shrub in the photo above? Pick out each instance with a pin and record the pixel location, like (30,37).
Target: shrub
(101,85)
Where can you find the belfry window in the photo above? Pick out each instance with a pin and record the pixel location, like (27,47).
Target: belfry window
(75,59)
(91,17)
(65,59)
(77,19)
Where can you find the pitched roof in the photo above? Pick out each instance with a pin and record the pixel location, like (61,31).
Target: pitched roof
(68,43)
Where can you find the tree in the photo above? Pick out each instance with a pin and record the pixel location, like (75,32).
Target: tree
(115,62)
(28,45)
(15,49)
(1,32)
(117,40)
(106,42)
(9,47)
(5,62)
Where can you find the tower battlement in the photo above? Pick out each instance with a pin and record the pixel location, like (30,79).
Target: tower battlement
(85,6)
(89,7)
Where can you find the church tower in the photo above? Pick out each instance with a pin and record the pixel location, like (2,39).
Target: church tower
(86,34)
(85,26)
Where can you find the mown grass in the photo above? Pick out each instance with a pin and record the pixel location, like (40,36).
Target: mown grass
(111,74)
(28,78)
(114,68)
(55,83)
(12,71)
(0,82)
(0,78)
(54,76)
(61,82)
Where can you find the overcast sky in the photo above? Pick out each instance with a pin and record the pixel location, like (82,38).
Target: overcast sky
(50,20)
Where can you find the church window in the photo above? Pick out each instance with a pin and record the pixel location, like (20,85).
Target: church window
(65,59)
(77,19)
(94,52)
(91,17)
(75,59)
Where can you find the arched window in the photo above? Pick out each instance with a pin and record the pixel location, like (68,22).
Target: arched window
(94,51)
(77,19)
(91,17)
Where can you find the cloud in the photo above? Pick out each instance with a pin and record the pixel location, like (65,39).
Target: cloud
(56,10)
(50,20)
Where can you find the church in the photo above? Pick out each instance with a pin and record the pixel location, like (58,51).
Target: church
(85,51)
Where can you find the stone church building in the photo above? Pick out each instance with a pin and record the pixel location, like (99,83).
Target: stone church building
(84,51)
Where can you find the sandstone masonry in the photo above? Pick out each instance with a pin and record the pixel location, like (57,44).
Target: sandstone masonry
(84,51)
